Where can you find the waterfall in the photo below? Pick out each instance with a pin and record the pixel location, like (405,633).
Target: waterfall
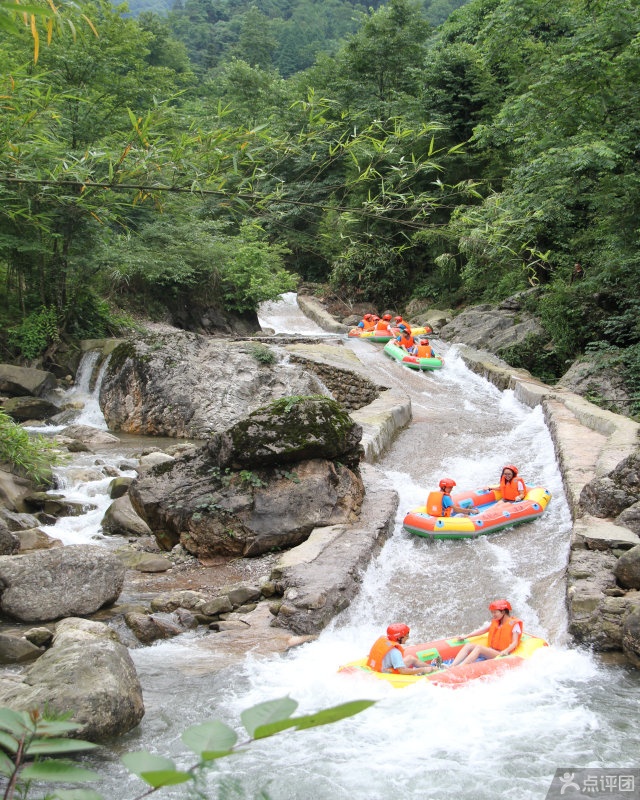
(82,391)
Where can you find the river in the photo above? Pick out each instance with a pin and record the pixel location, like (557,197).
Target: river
(505,738)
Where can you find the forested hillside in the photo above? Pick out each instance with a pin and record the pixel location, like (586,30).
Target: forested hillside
(285,34)
(459,164)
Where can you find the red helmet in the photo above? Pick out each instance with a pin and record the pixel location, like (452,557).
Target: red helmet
(424,341)
(397,631)
(447,483)
(500,605)
(387,317)
(368,316)
(398,319)
(375,319)
(512,468)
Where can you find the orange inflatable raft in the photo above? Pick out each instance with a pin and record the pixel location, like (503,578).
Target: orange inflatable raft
(447,649)
(494,514)
(378,336)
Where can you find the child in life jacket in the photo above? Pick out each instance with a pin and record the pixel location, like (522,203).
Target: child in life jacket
(387,654)
(422,349)
(440,504)
(512,487)
(405,339)
(505,633)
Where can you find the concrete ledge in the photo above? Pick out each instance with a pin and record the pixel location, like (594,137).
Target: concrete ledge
(381,420)
(315,310)
(321,576)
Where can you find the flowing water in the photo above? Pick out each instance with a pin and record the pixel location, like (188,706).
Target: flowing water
(488,740)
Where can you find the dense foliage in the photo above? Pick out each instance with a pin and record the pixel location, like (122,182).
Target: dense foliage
(180,159)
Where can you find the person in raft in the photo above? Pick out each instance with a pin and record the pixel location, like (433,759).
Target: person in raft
(512,487)
(440,504)
(423,349)
(367,323)
(405,338)
(382,325)
(505,632)
(387,654)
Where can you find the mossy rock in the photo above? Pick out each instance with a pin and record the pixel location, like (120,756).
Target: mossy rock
(289,430)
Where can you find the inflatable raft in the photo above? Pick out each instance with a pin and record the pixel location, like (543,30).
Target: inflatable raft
(447,649)
(372,336)
(494,514)
(413,362)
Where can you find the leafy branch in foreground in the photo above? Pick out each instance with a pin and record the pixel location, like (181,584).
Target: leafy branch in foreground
(26,736)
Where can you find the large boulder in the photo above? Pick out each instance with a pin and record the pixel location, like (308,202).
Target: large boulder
(9,542)
(186,385)
(610,495)
(86,671)
(600,377)
(22,409)
(631,636)
(303,477)
(20,381)
(627,569)
(90,436)
(486,327)
(13,490)
(121,520)
(62,582)
(287,431)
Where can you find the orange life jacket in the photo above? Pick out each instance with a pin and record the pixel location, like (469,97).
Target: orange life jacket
(382,326)
(512,489)
(425,351)
(500,636)
(406,340)
(379,650)
(434,505)
(369,324)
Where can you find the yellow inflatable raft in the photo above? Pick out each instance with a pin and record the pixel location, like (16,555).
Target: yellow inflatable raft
(447,649)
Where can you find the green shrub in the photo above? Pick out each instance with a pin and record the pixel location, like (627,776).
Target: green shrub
(531,355)
(262,354)
(35,333)
(29,456)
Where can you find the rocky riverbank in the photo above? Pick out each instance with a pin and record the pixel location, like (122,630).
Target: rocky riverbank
(275,601)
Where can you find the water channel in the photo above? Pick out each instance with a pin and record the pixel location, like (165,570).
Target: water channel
(489,740)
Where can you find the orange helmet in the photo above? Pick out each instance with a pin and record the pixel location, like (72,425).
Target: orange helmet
(512,468)
(398,319)
(500,605)
(397,631)
(387,317)
(447,483)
